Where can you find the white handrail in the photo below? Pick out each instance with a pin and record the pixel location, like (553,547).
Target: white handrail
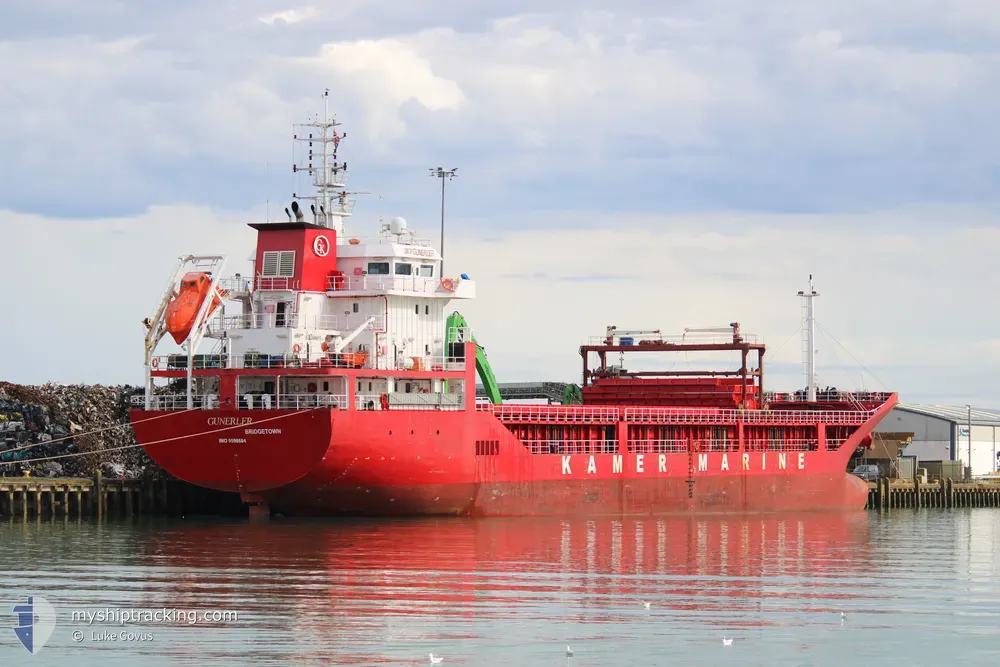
(560,413)
(384,283)
(423,363)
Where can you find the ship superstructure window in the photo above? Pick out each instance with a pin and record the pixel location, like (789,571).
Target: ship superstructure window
(378,268)
(404,269)
(278,263)
(355,306)
(426,270)
(416,309)
(427,310)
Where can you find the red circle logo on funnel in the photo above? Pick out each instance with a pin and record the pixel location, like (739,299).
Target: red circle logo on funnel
(321,246)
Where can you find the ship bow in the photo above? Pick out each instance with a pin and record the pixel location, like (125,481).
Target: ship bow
(227,452)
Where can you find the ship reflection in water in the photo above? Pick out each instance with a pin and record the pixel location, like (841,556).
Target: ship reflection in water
(518,591)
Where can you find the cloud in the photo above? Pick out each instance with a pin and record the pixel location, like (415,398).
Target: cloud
(290,16)
(897,308)
(696,106)
(387,74)
(685,164)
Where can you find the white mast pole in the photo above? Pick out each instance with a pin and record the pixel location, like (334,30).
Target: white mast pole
(326,163)
(809,342)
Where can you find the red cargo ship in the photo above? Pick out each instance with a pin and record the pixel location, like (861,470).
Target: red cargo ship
(342,387)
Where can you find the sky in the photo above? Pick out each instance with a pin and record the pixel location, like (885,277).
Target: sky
(646,164)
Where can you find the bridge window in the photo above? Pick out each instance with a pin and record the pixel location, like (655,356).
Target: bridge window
(404,269)
(378,268)
(278,263)
(426,271)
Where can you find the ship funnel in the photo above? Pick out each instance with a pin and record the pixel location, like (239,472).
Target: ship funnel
(297,211)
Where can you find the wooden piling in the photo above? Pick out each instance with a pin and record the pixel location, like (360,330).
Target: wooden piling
(889,494)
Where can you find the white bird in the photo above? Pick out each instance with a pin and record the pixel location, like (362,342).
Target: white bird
(647,604)
(569,652)
(435,661)
(843,617)
(727,642)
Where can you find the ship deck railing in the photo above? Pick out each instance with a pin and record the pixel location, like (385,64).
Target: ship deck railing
(276,321)
(385,283)
(832,396)
(391,239)
(260,360)
(658,445)
(727,416)
(597,414)
(302,402)
(293,321)
(179,401)
(641,340)
(568,447)
(257,401)
(412,401)
(555,413)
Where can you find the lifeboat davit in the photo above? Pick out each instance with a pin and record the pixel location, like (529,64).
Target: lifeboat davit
(183,308)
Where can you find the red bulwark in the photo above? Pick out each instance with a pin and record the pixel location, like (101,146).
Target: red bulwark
(315,249)
(693,391)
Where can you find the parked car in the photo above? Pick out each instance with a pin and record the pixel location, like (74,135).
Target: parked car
(868,472)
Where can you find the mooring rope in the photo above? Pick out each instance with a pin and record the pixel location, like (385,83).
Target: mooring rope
(156,442)
(99,430)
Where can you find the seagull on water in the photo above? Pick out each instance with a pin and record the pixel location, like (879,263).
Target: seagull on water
(435,661)
(647,604)
(727,642)
(843,617)
(569,652)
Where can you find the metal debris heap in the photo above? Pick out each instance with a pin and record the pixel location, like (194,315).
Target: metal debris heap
(69,419)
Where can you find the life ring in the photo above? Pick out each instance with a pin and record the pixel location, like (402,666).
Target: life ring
(296,348)
(448,284)
(155,362)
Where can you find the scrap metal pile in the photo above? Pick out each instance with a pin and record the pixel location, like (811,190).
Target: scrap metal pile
(88,421)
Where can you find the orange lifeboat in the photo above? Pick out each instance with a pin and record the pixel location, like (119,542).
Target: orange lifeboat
(183,308)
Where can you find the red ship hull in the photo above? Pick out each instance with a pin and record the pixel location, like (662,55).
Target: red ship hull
(468,463)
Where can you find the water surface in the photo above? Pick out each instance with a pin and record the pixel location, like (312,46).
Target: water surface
(917,588)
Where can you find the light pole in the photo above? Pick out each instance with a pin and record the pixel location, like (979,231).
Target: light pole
(969,426)
(443,174)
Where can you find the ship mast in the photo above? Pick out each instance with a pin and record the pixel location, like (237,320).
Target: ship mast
(331,203)
(809,339)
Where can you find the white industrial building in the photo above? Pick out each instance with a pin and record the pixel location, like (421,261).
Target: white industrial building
(942,433)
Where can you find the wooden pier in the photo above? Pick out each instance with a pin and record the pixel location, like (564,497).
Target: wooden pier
(102,497)
(886,494)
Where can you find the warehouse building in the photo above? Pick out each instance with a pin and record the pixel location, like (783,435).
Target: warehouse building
(942,433)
